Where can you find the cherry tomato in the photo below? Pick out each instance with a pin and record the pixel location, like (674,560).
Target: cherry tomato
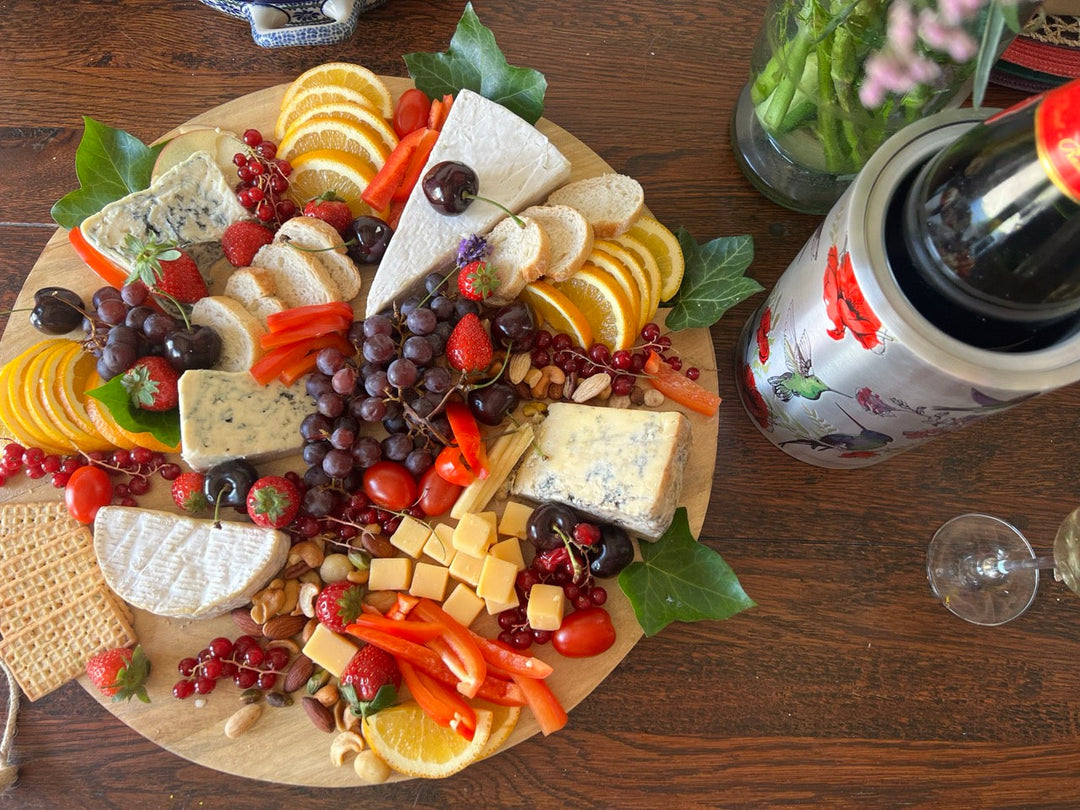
(411,112)
(390,485)
(584,633)
(437,494)
(88,489)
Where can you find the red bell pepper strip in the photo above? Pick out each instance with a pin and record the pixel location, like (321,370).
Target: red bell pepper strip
(110,272)
(511,661)
(440,108)
(298,368)
(680,388)
(549,713)
(403,606)
(416,165)
(460,640)
(393,213)
(468,438)
(322,325)
(271,364)
(416,654)
(297,316)
(450,465)
(442,705)
(380,191)
(420,632)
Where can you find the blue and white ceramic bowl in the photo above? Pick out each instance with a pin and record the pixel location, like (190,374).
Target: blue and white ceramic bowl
(282,23)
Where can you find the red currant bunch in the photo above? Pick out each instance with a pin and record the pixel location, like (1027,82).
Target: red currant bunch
(244,661)
(264,179)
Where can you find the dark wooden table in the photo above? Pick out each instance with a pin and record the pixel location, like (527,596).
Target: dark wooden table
(849,684)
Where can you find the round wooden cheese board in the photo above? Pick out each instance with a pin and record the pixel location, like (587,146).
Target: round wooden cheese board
(284,746)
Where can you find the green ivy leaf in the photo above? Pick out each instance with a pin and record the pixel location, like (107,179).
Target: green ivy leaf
(679,579)
(474,61)
(713,281)
(110,164)
(162,425)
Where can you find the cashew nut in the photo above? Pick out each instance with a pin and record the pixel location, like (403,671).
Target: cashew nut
(344,718)
(292,594)
(305,601)
(345,743)
(266,604)
(307,551)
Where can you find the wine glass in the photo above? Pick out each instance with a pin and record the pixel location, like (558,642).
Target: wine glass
(986,572)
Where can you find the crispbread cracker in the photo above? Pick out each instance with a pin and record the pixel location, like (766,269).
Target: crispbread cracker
(17,516)
(41,547)
(48,596)
(58,573)
(50,652)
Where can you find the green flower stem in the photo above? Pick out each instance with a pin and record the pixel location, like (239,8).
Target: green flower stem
(778,101)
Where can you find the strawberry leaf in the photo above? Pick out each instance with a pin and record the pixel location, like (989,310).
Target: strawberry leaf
(162,425)
(474,61)
(384,698)
(713,281)
(110,164)
(679,579)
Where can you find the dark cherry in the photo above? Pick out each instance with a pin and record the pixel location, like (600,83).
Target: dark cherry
(549,523)
(612,553)
(492,403)
(450,186)
(514,325)
(367,239)
(227,483)
(56,311)
(194,347)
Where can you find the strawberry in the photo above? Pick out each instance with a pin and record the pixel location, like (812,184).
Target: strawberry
(369,670)
(469,347)
(273,502)
(165,269)
(187,492)
(242,240)
(332,209)
(120,673)
(476,281)
(338,604)
(151,384)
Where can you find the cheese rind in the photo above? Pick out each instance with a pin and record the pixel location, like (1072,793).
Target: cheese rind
(227,414)
(620,466)
(191,202)
(515,164)
(184,567)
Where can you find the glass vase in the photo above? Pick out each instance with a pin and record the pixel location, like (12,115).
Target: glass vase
(800,131)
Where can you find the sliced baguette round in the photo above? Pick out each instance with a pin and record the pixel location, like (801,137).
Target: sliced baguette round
(610,202)
(266,306)
(239,329)
(570,236)
(519,253)
(299,278)
(248,284)
(329,249)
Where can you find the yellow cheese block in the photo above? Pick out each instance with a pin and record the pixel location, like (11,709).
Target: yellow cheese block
(547,603)
(410,537)
(514,517)
(509,550)
(474,534)
(496,580)
(329,650)
(495,607)
(390,574)
(466,568)
(440,545)
(429,581)
(463,604)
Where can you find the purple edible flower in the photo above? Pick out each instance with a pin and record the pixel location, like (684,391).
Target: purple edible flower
(471,249)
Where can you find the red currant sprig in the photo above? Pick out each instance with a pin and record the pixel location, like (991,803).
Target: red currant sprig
(244,661)
(264,179)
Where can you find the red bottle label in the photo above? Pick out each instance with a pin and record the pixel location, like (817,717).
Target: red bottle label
(1057,137)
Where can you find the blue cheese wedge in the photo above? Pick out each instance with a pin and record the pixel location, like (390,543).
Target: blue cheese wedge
(516,165)
(191,202)
(184,567)
(620,466)
(227,414)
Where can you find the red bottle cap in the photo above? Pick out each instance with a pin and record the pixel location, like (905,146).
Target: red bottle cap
(1057,137)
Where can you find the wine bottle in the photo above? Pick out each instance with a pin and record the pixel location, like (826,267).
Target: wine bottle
(986,244)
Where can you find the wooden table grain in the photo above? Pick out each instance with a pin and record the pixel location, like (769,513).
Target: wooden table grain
(848,685)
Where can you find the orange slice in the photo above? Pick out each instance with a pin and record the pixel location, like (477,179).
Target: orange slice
(410,742)
(13,427)
(307,100)
(331,169)
(350,111)
(50,400)
(22,403)
(334,133)
(629,246)
(664,246)
(604,304)
(631,280)
(71,379)
(556,310)
(108,427)
(342,75)
(503,721)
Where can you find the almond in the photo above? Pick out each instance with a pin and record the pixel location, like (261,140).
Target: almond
(281,627)
(591,387)
(242,720)
(298,673)
(241,616)
(320,716)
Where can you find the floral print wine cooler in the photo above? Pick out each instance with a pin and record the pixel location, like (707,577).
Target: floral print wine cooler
(837,369)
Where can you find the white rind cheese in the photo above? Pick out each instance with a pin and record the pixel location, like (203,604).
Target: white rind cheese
(227,414)
(184,567)
(191,202)
(621,466)
(516,165)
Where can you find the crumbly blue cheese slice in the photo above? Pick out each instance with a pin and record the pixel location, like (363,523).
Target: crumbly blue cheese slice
(227,414)
(516,165)
(620,466)
(184,567)
(191,202)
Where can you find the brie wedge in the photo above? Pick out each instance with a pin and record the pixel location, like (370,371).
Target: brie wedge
(516,166)
(184,567)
